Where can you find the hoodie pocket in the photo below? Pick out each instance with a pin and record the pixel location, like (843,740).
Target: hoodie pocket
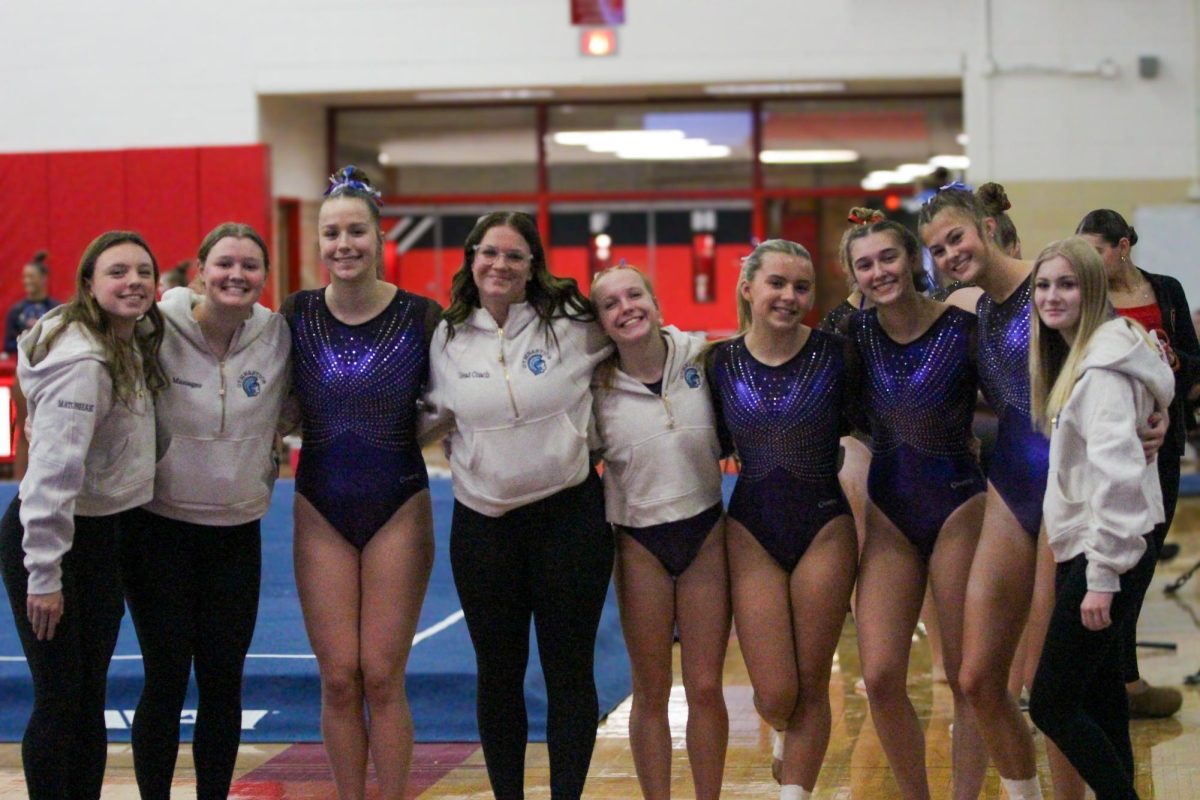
(1063,515)
(223,473)
(662,471)
(512,463)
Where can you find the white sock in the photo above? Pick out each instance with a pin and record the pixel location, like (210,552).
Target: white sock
(1025,789)
(794,791)
(777,745)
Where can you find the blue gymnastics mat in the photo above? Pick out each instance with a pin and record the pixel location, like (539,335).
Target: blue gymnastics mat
(281,698)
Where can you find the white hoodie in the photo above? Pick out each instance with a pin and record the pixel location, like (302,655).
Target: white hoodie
(1102,497)
(217,418)
(89,454)
(661,454)
(519,403)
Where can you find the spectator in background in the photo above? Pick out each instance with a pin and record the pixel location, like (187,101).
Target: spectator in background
(176,276)
(35,277)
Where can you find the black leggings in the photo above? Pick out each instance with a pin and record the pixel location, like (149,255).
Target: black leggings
(1168,476)
(1078,697)
(66,743)
(193,594)
(550,560)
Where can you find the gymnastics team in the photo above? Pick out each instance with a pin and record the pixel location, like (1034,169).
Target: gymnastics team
(153,430)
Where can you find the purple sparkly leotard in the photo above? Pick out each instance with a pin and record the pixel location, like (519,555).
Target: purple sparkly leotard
(917,399)
(1021,460)
(358,387)
(784,423)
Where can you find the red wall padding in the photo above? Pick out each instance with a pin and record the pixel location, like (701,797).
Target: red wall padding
(62,201)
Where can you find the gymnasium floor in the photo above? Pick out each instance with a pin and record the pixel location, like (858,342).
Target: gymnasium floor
(1167,752)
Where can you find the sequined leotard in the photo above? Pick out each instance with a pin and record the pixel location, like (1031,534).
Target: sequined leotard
(918,400)
(784,423)
(358,387)
(1021,460)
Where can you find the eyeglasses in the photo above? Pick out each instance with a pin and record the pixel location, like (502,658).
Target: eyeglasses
(512,258)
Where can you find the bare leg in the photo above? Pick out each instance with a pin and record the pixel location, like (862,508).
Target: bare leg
(891,584)
(999,591)
(702,609)
(948,573)
(327,580)
(646,595)
(395,572)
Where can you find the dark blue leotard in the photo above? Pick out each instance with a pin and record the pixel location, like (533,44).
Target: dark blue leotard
(1021,460)
(917,400)
(784,422)
(358,387)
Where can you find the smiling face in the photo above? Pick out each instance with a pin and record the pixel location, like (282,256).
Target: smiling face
(123,283)
(349,239)
(501,266)
(881,268)
(954,241)
(627,309)
(234,273)
(1057,295)
(780,292)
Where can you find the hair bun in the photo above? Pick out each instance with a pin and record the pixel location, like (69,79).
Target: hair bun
(865,216)
(994,199)
(1131,236)
(39,257)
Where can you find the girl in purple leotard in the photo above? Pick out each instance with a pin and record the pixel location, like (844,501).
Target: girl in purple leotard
(364,528)
(778,389)
(662,487)
(913,381)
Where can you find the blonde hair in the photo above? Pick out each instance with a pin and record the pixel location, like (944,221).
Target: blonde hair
(606,370)
(1053,365)
(752,263)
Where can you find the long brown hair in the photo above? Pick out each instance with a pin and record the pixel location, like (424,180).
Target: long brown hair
(120,358)
(550,296)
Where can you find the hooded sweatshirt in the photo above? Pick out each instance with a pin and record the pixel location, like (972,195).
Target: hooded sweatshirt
(217,418)
(661,454)
(1102,497)
(520,404)
(89,454)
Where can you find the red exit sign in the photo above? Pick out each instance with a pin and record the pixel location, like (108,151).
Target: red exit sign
(597,12)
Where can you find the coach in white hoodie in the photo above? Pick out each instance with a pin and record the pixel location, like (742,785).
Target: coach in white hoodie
(89,380)
(191,556)
(1093,378)
(510,370)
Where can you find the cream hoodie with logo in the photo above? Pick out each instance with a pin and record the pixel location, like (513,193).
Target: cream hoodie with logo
(89,454)
(661,454)
(217,417)
(519,403)
(1102,497)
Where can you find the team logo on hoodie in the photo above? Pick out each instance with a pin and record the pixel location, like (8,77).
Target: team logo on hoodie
(691,376)
(252,383)
(535,361)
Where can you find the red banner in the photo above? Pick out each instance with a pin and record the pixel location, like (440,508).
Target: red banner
(597,12)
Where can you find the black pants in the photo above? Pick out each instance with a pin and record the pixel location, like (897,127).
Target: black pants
(66,744)
(550,560)
(1168,476)
(1078,695)
(193,594)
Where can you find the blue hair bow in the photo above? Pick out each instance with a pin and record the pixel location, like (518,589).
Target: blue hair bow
(958,185)
(343,181)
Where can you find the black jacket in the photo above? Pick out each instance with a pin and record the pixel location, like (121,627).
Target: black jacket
(1177,322)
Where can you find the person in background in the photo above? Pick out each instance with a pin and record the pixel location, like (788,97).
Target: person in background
(174,277)
(35,278)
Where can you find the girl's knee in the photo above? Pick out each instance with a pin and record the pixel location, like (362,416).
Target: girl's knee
(776,705)
(341,686)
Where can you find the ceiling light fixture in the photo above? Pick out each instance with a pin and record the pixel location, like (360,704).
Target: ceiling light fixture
(809,156)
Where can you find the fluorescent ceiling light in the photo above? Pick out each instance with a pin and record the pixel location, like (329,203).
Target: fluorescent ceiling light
(916,170)
(809,87)
(610,141)
(951,162)
(873,186)
(887,176)
(686,150)
(808,156)
(485,94)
